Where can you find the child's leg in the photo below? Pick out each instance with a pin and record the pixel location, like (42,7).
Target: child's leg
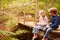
(35,32)
(47,33)
(35,36)
(44,29)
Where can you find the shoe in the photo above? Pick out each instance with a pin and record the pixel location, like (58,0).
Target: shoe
(35,39)
(45,39)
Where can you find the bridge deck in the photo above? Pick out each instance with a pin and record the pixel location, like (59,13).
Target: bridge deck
(31,24)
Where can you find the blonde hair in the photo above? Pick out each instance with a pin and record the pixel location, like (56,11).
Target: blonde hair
(41,12)
(53,9)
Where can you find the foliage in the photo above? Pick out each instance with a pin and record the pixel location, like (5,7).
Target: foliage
(14,8)
(19,32)
(30,8)
(6,35)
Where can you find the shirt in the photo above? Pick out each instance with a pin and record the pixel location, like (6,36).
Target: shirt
(43,21)
(54,21)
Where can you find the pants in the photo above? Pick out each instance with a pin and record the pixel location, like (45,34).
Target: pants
(36,29)
(47,31)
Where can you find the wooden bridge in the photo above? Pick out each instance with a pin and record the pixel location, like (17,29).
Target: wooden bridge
(54,35)
(31,25)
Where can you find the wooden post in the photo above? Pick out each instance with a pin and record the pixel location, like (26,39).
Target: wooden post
(46,4)
(24,13)
(52,3)
(36,10)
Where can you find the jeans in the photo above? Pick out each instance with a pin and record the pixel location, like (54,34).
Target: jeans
(47,31)
(36,29)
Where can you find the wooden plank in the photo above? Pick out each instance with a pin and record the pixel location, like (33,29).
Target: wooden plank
(57,31)
(31,24)
(24,8)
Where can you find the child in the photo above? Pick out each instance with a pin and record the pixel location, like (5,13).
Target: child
(54,22)
(43,21)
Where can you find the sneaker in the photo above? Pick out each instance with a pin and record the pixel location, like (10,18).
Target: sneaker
(35,39)
(45,39)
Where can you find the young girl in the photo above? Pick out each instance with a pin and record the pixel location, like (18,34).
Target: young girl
(43,21)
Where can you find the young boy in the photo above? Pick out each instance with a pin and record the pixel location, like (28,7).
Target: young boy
(54,22)
(43,21)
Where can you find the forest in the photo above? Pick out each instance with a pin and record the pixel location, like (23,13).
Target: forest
(12,13)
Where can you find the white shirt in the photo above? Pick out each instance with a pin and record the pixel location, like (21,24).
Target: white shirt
(43,21)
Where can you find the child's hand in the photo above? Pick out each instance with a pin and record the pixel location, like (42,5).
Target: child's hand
(47,26)
(36,24)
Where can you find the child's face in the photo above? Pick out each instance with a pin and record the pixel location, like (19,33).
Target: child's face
(51,14)
(43,14)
